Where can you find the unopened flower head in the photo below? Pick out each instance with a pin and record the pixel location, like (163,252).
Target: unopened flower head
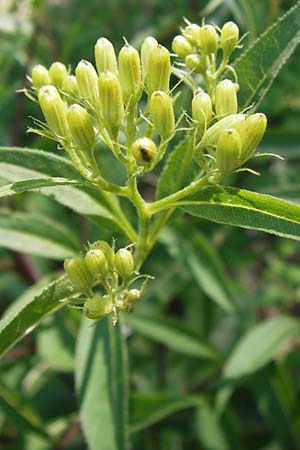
(228,152)
(96,262)
(54,110)
(197,63)
(96,308)
(130,73)
(211,135)
(87,80)
(81,127)
(105,56)
(191,33)
(144,151)
(106,249)
(181,46)
(58,73)
(159,70)
(202,109)
(124,263)
(229,38)
(111,101)
(70,89)
(149,44)
(252,133)
(162,114)
(40,76)
(226,98)
(78,273)
(209,39)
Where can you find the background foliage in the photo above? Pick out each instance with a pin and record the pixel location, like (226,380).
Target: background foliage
(214,346)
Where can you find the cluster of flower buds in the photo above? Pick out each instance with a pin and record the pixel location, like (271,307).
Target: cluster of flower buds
(198,45)
(102,266)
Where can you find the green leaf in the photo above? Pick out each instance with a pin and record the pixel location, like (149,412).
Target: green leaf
(260,63)
(147,409)
(101,382)
(36,235)
(260,345)
(36,183)
(246,209)
(27,312)
(172,335)
(211,432)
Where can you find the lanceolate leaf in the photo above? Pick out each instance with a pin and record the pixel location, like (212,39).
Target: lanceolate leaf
(260,63)
(35,183)
(24,315)
(101,382)
(246,209)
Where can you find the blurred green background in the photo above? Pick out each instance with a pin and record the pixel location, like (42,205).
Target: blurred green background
(36,377)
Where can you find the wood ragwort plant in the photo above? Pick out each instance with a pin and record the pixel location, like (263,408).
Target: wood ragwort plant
(126,103)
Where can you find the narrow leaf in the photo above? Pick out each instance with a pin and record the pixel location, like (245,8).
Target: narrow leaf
(36,183)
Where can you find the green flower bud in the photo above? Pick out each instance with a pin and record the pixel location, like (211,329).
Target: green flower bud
(209,39)
(105,56)
(211,136)
(159,70)
(181,46)
(111,101)
(87,80)
(81,127)
(130,72)
(106,249)
(229,37)
(191,33)
(197,63)
(58,73)
(96,308)
(202,109)
(96,262)
(40,76)
(252,133)
(226,98)
(228,152)
(144,151)
(54,110)
(162,114)
(71,89)
(124,263)
(149,44)
(78,273)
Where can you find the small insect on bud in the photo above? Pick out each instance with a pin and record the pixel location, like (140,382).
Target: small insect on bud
(252,133)
(229,38)
(228,152)
(96,308)
(181,46)
(70,89)
(159,70)
(124,263)
(162,114)
(196,63)
(54,110)
(211,136)
(209,39)
(96,262)
(81,127)
(111,101)
(191,33)
(202,109)
(106,249)
(105,56)
(226,98)
(78,273)
(87,80)
(58,73)
(130,73)
(148,45)
(40,76)
(144,151)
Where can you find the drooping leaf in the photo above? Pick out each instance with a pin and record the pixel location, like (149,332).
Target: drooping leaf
(259,65)
(260,345)
(101,382)
(246,209)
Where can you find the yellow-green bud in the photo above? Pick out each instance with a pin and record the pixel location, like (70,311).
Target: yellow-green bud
(211,136)
(71,89)
(252,133)
(226,98)
(202,109)
(54,110)
(96,262)
(181,46)
(209,39)
(124,263)
(111,101)
(148,45)
(132,296)
(229,38)
(159,70)
(78,273)
(162,114)
(96,308)
(191,33)
(228,152)
(40,76)
(87,80)
(197,63)
(144,151)
(81,127)
(130,73)
(58,73)
(105,56)
(106,249)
